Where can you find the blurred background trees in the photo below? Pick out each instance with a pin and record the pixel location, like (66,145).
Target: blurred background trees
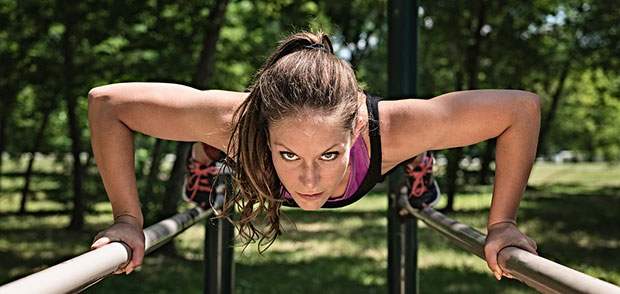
(53,52)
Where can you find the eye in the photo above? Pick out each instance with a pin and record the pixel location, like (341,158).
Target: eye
(288,156)
(329,156)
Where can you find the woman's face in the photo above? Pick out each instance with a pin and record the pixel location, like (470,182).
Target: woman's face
(310,155)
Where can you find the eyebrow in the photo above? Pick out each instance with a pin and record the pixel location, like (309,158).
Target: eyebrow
(326,150)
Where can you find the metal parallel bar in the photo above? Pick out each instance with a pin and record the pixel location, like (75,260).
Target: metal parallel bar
(165,230)
(537,272)
(83,271)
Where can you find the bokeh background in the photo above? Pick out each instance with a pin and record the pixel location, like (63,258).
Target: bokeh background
(52,201)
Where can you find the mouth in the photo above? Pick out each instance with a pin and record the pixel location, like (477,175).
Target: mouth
(310,196)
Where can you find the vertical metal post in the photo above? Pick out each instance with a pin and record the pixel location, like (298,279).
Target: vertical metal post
(402,82)
(219,233)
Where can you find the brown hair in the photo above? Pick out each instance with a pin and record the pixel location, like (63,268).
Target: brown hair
(302,74)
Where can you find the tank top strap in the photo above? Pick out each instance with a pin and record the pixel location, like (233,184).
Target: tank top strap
(373,175)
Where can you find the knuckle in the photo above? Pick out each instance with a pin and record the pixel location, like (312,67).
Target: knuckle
(492,247)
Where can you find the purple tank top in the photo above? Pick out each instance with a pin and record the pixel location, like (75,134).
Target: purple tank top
(359,162)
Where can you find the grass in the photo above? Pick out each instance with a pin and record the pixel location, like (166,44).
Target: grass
(571,210)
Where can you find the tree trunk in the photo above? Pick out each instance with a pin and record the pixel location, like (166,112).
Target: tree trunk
(202,77)
(474,49)
(487,158)
(154,170)
(201,80)
(28,174)
(77,215)
(471,67)
(550,115)
(3,122)
(454,157)
(206,61)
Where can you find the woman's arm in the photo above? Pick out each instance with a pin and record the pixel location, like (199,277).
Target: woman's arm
(412,126)
(167,111)
(465,118)
(162,110)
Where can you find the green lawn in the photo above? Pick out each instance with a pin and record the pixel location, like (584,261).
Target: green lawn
(571,210)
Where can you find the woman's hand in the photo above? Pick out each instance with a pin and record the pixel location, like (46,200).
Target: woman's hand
(126,229)
(500,236)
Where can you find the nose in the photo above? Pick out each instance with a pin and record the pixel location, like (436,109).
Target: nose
(310,177)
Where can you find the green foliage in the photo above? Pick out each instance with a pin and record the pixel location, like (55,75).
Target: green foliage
(525,45)
(588,121)
(528,45)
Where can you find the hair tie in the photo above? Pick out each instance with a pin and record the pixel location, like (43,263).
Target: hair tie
(316,46)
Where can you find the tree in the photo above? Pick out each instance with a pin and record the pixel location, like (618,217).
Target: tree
(204,70)
(16,43)
(463,43)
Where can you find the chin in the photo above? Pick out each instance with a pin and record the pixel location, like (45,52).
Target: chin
(311,206)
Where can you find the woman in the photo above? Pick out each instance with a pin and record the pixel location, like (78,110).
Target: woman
(294,135)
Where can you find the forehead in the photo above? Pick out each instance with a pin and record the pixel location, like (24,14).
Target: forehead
(308,128)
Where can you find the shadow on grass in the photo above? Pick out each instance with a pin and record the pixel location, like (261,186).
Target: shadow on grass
(38,248)
(575,225)
(37,213)
(572,225)
(441,279)
(319,275)
(298,215)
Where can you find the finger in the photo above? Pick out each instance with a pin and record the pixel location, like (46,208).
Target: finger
(129,268)
(507,275)
(532,250)
(100,242)
(528,246)
(98,236)
(533,243)
(137,255)
(491,257)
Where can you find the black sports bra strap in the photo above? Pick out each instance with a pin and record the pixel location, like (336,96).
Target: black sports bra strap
(374,170)
(373,176)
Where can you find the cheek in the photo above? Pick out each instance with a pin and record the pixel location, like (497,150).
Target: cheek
(278,166)
(285,170)
(335,171)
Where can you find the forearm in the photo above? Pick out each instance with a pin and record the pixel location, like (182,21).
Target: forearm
(113,147)
(515,154)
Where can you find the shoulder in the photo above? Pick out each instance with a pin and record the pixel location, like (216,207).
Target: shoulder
(224,99)
(403,126)
(219,107)
(224,103)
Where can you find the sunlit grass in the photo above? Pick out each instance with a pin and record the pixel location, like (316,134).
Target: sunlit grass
(590,175)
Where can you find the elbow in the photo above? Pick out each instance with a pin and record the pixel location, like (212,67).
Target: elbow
(535,104)
(99,103)
(530,104)
(96,95)
(534,99)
